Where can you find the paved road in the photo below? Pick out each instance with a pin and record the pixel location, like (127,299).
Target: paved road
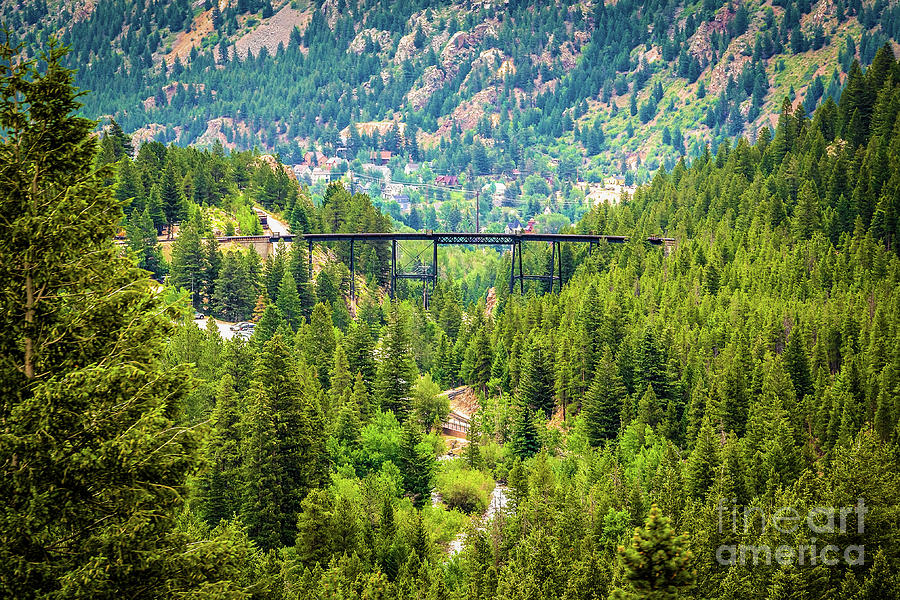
(276,226)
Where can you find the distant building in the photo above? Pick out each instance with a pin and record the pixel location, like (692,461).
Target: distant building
(448,180)
(314,159)
(403,201)
(513,226)
(321,175)
(410,168)
(380,157)
(610,192)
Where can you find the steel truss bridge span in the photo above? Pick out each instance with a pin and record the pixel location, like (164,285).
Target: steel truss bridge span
(429,273)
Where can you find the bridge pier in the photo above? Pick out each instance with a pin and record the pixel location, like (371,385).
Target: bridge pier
(352,275)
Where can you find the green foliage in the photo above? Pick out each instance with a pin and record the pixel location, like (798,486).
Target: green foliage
(95,462)
(285,453)
(429,405)
(417,464)
(657,562)
(465,489)
(396,367)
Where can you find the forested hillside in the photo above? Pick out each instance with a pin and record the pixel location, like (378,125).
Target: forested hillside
(625,86)
(634,419)
(752,367)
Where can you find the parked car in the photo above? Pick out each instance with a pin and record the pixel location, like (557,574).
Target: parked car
(239,326)
(197,315)
(246,334)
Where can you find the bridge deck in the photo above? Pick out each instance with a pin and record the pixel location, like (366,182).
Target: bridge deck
(500,239)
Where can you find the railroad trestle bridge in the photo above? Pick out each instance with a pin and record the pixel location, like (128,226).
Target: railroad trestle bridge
(428,274)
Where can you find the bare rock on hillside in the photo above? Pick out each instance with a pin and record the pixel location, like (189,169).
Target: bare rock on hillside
(406,48)
(463,44)
(468,113)
(432,80)
(276,30)
(273,164)
(380,37)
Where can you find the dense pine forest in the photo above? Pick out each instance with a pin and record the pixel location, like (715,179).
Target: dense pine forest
(718,421)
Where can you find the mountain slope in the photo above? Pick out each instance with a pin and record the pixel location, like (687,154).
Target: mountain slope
(625,85)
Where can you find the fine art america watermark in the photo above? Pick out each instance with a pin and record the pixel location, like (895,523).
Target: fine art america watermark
(820,520)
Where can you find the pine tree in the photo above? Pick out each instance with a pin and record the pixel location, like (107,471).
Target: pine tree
(320,342)
(806,216)
(652,368)
(341,383)
(142,241)
(298,265)
(220,487)
(700,471)
(172,198)
(233,297)
(796,363)
(273,272)
(360,351)
(285,455)
(602,406)
(536,386)
(314,541)
(189,263)
(480,372)
(396,368)
(417,464)
(657,563)
(94,468)
(523,437)
(212,267)
(360,398)
(288,301)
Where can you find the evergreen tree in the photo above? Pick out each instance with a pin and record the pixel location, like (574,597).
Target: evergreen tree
(480,371)
(652,368)
(602,405)
(360,351)
(417,464)
(288,301)
(796,363)
(173,202)
(700,470)
(234,293)
(524,439)
(285,454)
(298,265)
(321,342)
(94,468)
(189,263)
(657,562)
(341,382)
(220,487)
(536,386)
(143,242)
(314,532)
(396,367)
